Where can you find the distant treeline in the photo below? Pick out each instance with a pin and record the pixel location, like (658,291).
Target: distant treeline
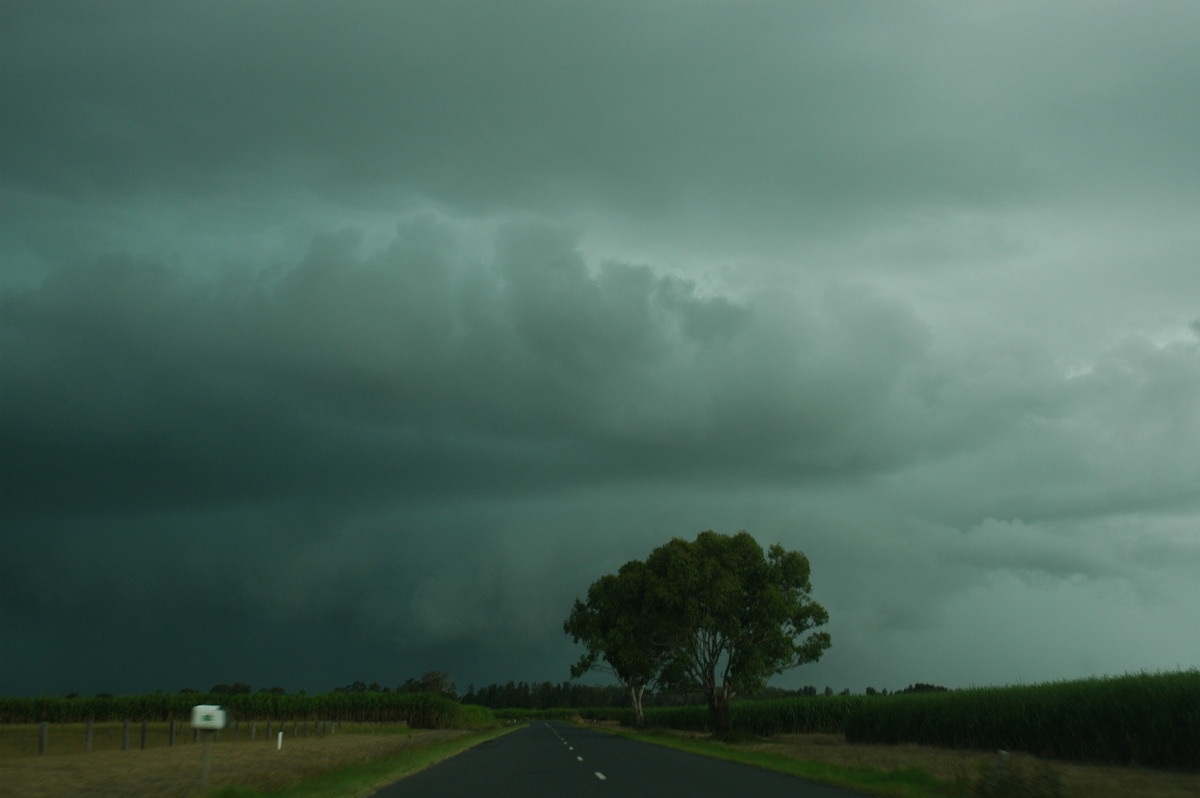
(548,695)
(545,695)
(523,695)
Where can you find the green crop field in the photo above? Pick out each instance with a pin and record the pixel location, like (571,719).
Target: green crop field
(419,710)
(1138,719)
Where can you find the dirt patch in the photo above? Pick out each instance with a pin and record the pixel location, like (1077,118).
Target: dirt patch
(175,772)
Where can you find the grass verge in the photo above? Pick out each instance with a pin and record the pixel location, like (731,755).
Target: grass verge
(909,782)
(362,779)
(931,772)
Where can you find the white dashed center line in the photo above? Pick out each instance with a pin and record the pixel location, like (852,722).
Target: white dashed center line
(601,776)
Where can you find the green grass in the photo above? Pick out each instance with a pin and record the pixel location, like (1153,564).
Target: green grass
(365,778)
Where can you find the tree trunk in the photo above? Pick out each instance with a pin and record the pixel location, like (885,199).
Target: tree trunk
(635,697)
(718,705)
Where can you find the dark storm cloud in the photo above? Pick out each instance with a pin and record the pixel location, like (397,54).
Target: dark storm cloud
(763,111)
(389,429)
(335,405)
(407,370)
(188,433)
(392,326)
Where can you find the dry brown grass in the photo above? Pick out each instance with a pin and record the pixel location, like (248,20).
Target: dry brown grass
(174,772)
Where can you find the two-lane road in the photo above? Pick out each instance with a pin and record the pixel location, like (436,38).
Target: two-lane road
(557,759)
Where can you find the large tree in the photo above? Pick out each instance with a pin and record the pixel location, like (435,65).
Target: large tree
(747,615)
(716,615)
(624,630)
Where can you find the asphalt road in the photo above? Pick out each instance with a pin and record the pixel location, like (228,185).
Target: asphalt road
(558,759)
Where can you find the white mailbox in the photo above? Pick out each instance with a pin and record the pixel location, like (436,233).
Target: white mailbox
(208,716)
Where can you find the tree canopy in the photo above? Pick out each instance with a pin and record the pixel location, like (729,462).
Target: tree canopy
(624,629)
(716,615)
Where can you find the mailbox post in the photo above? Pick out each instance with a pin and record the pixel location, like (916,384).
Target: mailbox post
(210,719)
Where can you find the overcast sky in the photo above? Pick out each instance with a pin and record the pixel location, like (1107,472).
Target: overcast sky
(353,340)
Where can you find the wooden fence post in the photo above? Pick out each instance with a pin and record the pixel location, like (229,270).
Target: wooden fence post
(43,734)
(171,735)
(87,745)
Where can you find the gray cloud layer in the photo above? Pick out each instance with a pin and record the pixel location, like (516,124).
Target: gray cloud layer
(383,332)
